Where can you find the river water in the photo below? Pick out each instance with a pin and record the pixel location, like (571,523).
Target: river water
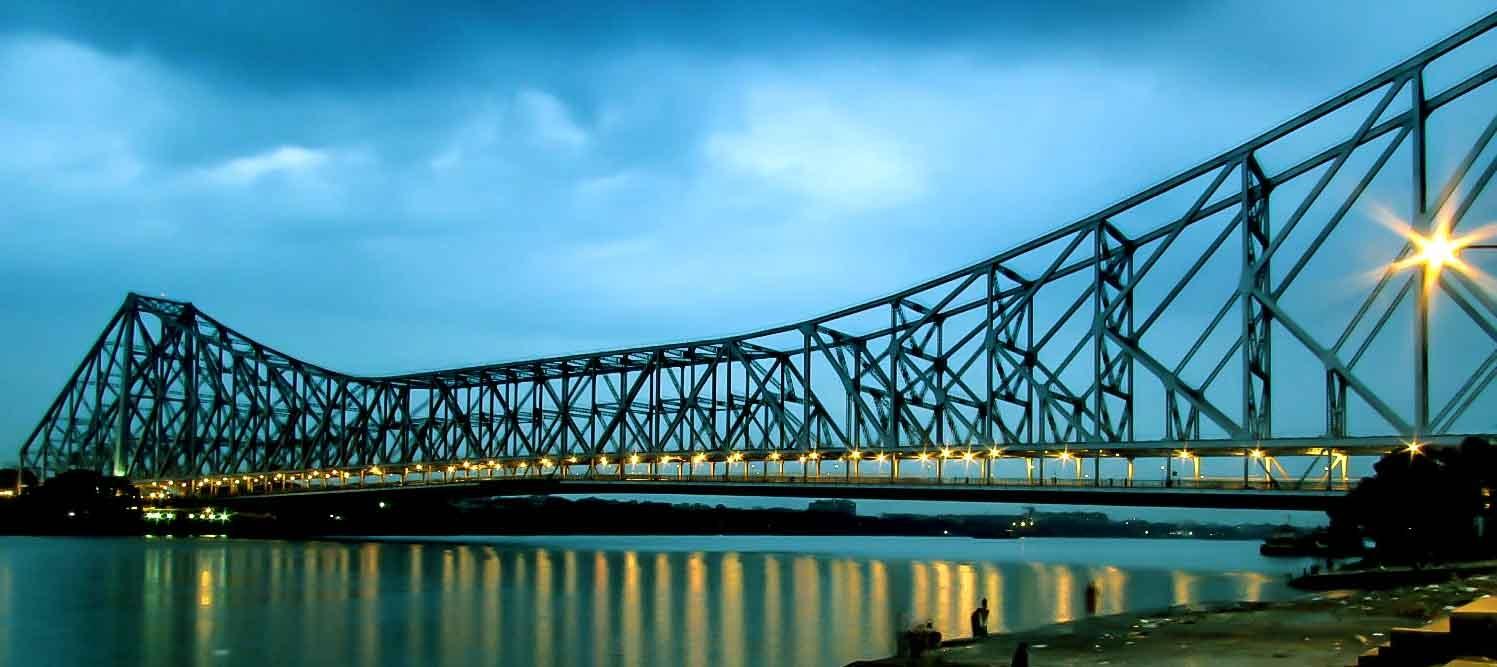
(729,601)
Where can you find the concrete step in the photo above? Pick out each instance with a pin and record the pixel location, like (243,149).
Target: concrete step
(1372,658)
(1474,625)
(1430,644)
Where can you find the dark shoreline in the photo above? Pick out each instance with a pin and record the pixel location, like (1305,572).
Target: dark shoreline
(534,516)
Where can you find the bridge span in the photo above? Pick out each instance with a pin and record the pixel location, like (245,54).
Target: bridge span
(1248,309)
(1203,494)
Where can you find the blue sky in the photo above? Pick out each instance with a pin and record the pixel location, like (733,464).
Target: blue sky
(383,189)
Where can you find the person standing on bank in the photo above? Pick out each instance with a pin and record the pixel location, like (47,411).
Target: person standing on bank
(979,620)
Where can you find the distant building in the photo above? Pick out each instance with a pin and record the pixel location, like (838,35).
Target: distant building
(835,506)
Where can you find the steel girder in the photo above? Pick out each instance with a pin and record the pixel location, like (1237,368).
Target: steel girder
(1045,346)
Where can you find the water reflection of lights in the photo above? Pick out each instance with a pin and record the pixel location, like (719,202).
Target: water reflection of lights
(853,598)
(1183,587)
(491,614)
(545,617)
(944,603)
(663,592)
(730,610)
(630,601)
(967,594)
(772,604)
(568,606)
(695,607)
(878,601)
(1252,584)
(805,583)
(1065,593)
(919,592)
(992,580)
(602,639)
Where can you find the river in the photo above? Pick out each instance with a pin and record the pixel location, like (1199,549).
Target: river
(728,601)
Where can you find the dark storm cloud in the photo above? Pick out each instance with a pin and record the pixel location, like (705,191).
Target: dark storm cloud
(280,44)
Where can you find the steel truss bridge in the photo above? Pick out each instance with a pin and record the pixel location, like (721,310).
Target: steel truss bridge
(1178,323)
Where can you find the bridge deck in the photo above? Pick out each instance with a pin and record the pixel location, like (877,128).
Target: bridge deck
(1212,493)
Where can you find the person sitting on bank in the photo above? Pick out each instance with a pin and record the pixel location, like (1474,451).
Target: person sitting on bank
(918,640)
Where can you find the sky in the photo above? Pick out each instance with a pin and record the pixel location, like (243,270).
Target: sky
(379,188)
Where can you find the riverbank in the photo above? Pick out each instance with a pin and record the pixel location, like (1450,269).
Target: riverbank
(1328,629)
(1392,576)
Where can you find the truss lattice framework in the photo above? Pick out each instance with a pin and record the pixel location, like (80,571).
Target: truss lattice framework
(1049,345)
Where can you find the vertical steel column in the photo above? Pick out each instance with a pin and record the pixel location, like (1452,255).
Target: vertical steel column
(1112,313)
(891,425)
(1335,404)
(857,395)
(189,435)
(805,397)
(989,343)
(1420,222)
(1257,336)
(938,413)
(123,406)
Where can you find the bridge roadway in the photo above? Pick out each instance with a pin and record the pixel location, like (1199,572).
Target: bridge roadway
(1312,495)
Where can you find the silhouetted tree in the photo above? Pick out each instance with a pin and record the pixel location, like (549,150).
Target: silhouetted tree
(8,478)
(1423,505)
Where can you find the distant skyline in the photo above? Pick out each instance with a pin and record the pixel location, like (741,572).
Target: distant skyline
(394,190)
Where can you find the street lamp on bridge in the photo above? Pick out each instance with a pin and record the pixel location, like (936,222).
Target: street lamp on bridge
(1439,249)
(1433,252)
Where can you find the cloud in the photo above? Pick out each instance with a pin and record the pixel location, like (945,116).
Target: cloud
(280,160)
(823,152)
(550,120)
(478,135)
